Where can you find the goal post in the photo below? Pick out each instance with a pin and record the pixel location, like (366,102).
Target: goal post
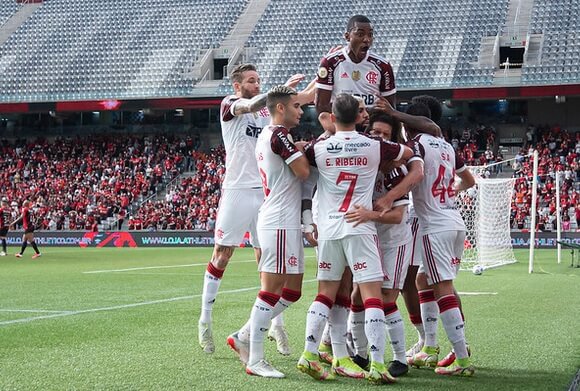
(486,210)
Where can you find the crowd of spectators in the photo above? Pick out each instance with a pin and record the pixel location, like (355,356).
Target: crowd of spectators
(76,183)
(559,151)
(190,202)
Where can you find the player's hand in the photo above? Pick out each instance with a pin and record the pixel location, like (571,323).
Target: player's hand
(294,80)
(382,104)
(358,215)
(311,235)
(384,204)
(301,145)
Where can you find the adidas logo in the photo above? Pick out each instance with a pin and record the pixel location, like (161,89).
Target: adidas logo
(262,329)
(373,348)
(311,338)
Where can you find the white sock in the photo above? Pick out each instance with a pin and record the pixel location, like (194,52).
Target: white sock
(357,330)
(453,324)
(396,331)
(429,315)
(338,320)
(278,320)
(375,329)
(326,334)
(316,318)
(260,320)
(244,332)
(211,285)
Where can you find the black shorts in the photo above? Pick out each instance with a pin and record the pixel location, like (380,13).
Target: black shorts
(3,231)
(29,231)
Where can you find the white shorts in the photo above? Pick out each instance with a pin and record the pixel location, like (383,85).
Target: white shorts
(282,251)
(443,251)
(359,252)
(416,247)
(238,214)
(396,264)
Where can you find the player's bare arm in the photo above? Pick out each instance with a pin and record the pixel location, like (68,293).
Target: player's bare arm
(360,215)
(425,124)
(467,180)
(322,101)
(301,168)
(244,106)
(414,176)
(308,94)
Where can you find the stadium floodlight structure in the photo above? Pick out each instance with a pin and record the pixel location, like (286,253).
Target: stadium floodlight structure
(486,210)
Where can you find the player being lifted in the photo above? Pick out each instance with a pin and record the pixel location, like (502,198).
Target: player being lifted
(242,117)
(282,167)
(348,163)
(354,69)
(28,237)
(442,233)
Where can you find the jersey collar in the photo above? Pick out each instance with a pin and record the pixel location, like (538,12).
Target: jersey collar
(348,59)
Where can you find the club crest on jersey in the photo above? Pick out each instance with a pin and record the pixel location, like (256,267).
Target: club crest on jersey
(334,148)
(355,75)
(372,77)
(322,72)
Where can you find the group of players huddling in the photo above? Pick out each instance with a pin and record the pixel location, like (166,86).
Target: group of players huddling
(348,193)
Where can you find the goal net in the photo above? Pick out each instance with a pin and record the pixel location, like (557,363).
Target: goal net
(486,208)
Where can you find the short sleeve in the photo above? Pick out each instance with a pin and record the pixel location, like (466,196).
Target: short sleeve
(387,87)
(282,145)
(325,74)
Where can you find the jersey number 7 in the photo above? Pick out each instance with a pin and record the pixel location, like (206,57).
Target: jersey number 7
(347,177)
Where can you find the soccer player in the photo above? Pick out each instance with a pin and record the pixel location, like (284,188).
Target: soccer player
(4,216)
(28,236)
(354,69)
(281,167)
(242,117)
(394,237)
(348,164)
(442,233)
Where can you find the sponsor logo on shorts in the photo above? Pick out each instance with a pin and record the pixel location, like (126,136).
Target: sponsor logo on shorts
(219,233)
(359,266)
(455,261)
(324,265)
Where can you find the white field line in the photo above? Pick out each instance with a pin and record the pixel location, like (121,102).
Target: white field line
(124,306)
(167,267)
(477,293)
(36,311)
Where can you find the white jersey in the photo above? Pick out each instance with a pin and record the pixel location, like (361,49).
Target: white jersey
(434,197)
(347,168)
(393,235)
(283,191)
(240,134)
(368,78)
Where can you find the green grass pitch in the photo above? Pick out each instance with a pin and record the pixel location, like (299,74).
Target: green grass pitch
(131,324)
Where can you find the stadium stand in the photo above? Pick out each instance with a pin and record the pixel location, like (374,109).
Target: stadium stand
(85,184)
(433,44)
(84,49)
(7,9)
(190,202)
(558,150)
(560,54)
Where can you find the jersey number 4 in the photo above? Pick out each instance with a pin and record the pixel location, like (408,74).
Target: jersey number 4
(440,189)
(347,177)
